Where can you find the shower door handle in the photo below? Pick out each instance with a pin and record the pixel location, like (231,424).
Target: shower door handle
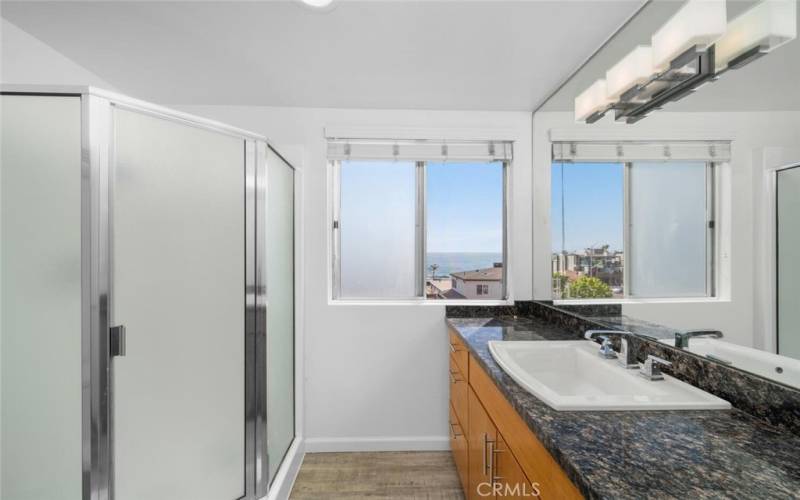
(117,340)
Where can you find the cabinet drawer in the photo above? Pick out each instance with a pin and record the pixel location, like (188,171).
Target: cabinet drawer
(460,448)
(459,352)
(458,391)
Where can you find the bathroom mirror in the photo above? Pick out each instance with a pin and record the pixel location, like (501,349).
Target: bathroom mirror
(683,215)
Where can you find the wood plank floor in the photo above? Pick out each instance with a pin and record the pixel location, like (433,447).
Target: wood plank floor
(396,475)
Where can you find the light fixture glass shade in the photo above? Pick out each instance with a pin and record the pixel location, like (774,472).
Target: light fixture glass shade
(591,100)
(768,25)
(633,69)
(698,22)
(319,4)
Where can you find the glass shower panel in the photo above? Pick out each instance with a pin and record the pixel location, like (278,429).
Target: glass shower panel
(40,315)
(788,275)
(179,289)
(279,247)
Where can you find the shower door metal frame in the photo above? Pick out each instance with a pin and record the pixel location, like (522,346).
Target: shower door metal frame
(262,478)
(97,164)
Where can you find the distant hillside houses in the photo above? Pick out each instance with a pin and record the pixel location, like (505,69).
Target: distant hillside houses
(599,262)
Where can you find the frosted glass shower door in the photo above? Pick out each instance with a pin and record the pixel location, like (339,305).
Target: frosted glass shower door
(788,269)
(279,246)
(40,311)
(179,288)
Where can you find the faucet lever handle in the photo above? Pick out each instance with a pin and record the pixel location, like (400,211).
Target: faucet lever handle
(651,368)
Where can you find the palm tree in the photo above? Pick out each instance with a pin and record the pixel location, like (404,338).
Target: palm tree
(433,268)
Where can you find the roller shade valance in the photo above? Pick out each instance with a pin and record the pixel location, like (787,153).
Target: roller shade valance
(373,149)
(582,151)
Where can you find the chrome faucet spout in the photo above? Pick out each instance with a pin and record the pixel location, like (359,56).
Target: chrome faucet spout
(626,357)
(682,338)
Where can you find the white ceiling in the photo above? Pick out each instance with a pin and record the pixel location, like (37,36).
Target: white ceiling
(766,84)
(479,55)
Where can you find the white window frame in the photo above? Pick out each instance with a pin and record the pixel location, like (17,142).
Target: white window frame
(712,242)
(420,242)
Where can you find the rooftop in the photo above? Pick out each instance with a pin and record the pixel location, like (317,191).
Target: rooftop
(488,274)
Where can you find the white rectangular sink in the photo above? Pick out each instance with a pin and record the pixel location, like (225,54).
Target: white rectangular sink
(571,376)
(772,366)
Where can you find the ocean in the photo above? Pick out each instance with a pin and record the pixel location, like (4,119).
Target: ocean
(452,262)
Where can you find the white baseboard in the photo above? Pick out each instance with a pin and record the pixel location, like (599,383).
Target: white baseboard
(411,443)
(284,479)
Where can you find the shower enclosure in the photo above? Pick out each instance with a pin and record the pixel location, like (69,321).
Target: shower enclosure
(147,301)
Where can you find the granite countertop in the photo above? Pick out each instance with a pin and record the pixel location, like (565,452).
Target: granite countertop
(644,454)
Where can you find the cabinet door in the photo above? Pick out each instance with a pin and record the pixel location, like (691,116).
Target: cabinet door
(481,438)
(509,479)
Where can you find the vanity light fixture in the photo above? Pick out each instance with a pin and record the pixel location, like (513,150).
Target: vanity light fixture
(699,23)
(761,29)
(634,69)
(592,103)
(693,48)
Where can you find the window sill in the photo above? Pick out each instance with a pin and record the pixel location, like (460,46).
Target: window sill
(681,300)
(419,302)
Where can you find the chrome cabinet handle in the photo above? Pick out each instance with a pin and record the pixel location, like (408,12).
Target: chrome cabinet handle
(490,446)
(484,453)
(453,348)
(493,468)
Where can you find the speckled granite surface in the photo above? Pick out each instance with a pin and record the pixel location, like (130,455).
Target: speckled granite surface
(644,454)
(768,400)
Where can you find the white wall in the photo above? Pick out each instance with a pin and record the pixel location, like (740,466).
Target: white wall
(735,312)
(376,375)
(24,59)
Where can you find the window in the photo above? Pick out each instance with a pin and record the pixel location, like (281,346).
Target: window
(428,223)
(634,228)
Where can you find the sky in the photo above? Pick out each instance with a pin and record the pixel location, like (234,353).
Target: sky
(464,205)
(593,205)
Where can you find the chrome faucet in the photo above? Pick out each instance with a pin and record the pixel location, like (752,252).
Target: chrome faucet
(651,369)
(682,338)
(626,357)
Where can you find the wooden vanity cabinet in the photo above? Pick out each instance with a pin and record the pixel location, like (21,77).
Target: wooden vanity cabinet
(496,453)
(458,443)
(459,408)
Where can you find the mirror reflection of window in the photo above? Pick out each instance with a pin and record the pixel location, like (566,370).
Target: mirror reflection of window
(632,230)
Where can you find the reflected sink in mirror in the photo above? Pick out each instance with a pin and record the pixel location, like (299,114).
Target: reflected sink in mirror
(772,366)
(571,376)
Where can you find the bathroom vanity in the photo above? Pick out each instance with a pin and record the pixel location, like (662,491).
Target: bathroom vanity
(507,443)
(493,448)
